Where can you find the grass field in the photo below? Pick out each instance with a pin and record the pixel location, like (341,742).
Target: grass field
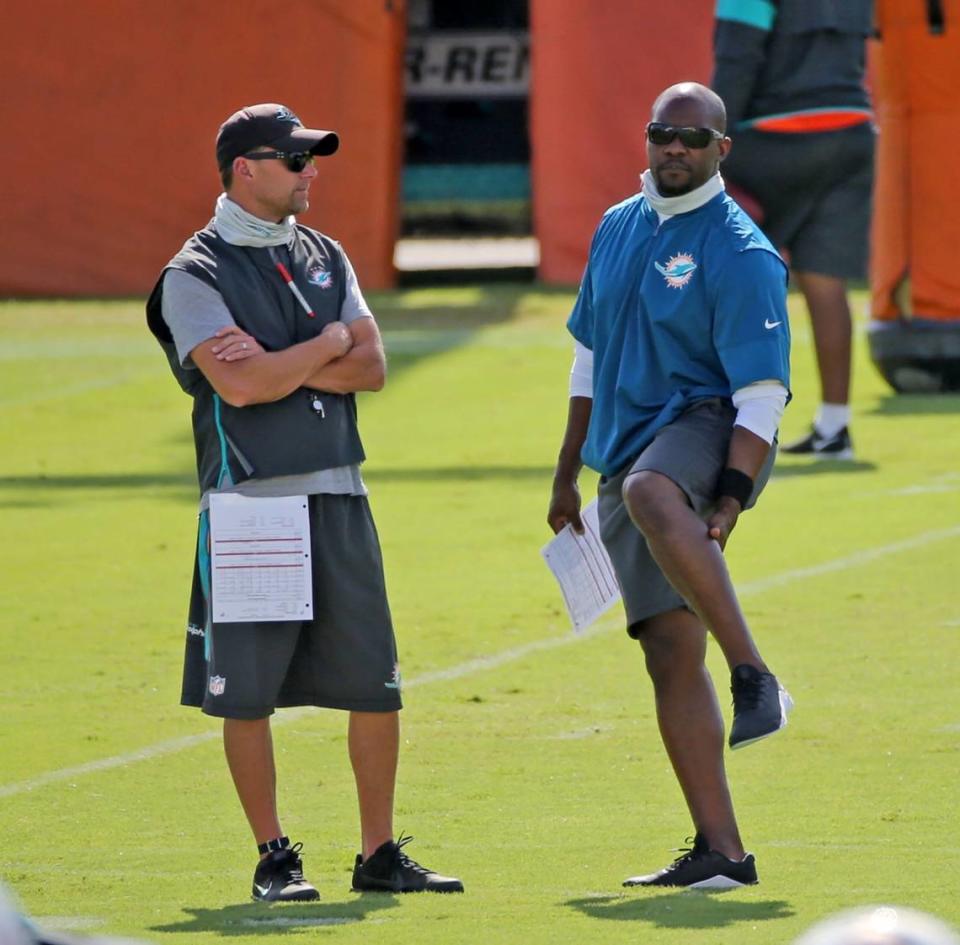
(531,764)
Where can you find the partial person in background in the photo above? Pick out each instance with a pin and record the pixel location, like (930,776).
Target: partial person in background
(791,74)
(880,925)
(17,929)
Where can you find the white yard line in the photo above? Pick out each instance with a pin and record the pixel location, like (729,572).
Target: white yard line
(484,663)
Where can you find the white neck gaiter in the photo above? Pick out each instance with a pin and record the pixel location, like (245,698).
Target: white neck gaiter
(693,200)
(240,228)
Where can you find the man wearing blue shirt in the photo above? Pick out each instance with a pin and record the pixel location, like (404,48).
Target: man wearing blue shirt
(680,376)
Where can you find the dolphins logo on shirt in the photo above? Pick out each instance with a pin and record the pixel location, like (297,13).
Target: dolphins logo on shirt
(678,271)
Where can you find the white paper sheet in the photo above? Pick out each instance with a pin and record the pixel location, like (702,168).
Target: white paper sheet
(260,558)
(583,570)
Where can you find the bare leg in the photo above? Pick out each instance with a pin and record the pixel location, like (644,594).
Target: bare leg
(692,562)
(674,644)
(374,740)
(248,745)
(826,298)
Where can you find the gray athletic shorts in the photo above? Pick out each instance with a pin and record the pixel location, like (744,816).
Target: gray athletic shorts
(691,451)
(344,658)
(815,190)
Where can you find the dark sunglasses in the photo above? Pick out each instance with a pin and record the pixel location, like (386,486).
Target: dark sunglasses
(295,162)
(696,138)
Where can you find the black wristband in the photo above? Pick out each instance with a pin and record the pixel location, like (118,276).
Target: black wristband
(280,843)
(738,485)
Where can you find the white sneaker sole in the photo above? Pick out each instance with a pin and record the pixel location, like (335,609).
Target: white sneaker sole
(717,883)
(786,705)
(841,455)
(714,882)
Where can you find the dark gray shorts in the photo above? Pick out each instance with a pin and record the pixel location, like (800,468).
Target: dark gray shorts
(345,658)
(692,452)
(815,190)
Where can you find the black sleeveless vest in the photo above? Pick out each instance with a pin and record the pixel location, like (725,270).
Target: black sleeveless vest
(289,436)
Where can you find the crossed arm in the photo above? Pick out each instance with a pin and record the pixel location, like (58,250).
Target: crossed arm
(341,359)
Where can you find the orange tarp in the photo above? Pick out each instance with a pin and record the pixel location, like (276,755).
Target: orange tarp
(916,217)
(596,69)
(110,110)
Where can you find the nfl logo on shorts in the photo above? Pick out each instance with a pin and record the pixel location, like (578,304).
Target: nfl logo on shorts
(217,685)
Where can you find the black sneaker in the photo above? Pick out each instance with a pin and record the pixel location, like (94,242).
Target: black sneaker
(279,878)
(838,446)
(389,869)
(760,705)
(699,867)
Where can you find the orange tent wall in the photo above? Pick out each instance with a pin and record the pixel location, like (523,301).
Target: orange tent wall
(596,69)
(916,216)
(111,107)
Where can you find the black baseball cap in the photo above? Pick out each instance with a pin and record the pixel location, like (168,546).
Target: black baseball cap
(270,125)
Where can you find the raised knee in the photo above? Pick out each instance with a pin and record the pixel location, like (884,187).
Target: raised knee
(645,497)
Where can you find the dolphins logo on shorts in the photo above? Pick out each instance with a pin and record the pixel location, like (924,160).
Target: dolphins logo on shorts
(678,271)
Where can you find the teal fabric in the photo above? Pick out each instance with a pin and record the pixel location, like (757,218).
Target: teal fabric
(224,479)
(758,13)
(203,565)
(423,182)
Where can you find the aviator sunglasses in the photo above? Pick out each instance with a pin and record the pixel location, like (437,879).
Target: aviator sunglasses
(295,161)
(697,138)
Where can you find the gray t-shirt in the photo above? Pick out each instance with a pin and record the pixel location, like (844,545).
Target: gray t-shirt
(195,312)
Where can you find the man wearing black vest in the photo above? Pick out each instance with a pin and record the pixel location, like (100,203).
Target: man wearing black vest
(264,325)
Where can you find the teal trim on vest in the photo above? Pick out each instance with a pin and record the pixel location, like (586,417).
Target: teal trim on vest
(222,437)
(756,13)
(203,566)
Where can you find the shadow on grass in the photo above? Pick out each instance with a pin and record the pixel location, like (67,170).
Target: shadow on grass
(688,909)
(187,480)
(143,480)
(817,467)
(459,473)
(898,405)
(46,490)
(280,918)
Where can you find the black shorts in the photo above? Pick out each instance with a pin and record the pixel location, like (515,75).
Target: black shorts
(815,190)
(344,658)
(691,452)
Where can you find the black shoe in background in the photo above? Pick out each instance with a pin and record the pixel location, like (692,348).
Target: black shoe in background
(279,878)
(838,446)
(699,867)
(389,869)
(760,705)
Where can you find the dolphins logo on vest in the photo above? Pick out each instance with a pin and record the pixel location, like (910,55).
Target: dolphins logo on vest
(319,276)
(678,271)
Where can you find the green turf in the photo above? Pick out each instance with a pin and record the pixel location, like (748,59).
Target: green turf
(539,777)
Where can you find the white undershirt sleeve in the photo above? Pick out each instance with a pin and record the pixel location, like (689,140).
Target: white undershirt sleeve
(760,407)
(581,374)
